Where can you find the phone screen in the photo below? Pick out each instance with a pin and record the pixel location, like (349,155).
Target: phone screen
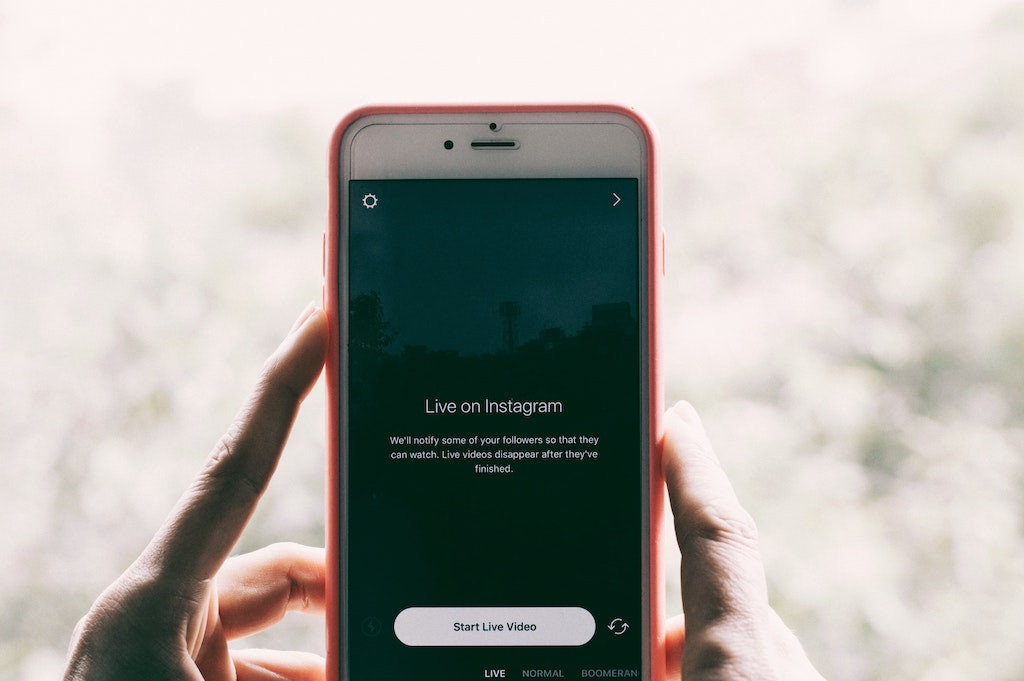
(496,457)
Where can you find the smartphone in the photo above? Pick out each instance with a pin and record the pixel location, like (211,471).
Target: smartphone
(494,487)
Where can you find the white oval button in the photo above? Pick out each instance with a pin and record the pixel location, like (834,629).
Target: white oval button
(510,626)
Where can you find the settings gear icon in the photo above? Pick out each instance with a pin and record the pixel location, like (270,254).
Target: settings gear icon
(370,201)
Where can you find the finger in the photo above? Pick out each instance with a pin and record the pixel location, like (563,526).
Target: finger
(254,664)
(257,589)
(675,634)
(722,573)
(211,515)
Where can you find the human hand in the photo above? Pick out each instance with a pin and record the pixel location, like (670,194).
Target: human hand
(731,632)
(172,612)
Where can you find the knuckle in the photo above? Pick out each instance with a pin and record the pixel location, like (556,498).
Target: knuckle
(298,578)
(734,649)
(298,595)
(720,523)
(226,471)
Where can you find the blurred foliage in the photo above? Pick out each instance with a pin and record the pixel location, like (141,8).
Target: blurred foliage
(147,273)
(844,304)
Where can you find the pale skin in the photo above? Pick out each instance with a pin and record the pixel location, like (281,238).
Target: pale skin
(174,610)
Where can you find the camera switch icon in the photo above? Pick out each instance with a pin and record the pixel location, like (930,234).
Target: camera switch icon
(618,626)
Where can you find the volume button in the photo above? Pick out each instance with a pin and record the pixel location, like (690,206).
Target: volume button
(324,270)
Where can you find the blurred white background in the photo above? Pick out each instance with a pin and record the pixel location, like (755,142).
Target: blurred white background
(843,195)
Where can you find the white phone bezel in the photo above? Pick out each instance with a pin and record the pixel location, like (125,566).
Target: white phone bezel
(552,144)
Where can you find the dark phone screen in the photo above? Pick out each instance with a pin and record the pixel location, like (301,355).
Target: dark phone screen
(495,449)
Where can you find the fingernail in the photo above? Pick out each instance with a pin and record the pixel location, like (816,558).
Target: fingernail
(686,411)
(306,314)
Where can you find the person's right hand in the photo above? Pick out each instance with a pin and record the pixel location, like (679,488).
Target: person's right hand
(731,632)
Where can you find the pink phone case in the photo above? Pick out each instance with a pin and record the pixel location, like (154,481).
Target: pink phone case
(655,271)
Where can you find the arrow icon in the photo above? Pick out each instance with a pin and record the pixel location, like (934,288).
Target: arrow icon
(617,199)
(618,626)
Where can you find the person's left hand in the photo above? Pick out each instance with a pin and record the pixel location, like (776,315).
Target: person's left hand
(173,611)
